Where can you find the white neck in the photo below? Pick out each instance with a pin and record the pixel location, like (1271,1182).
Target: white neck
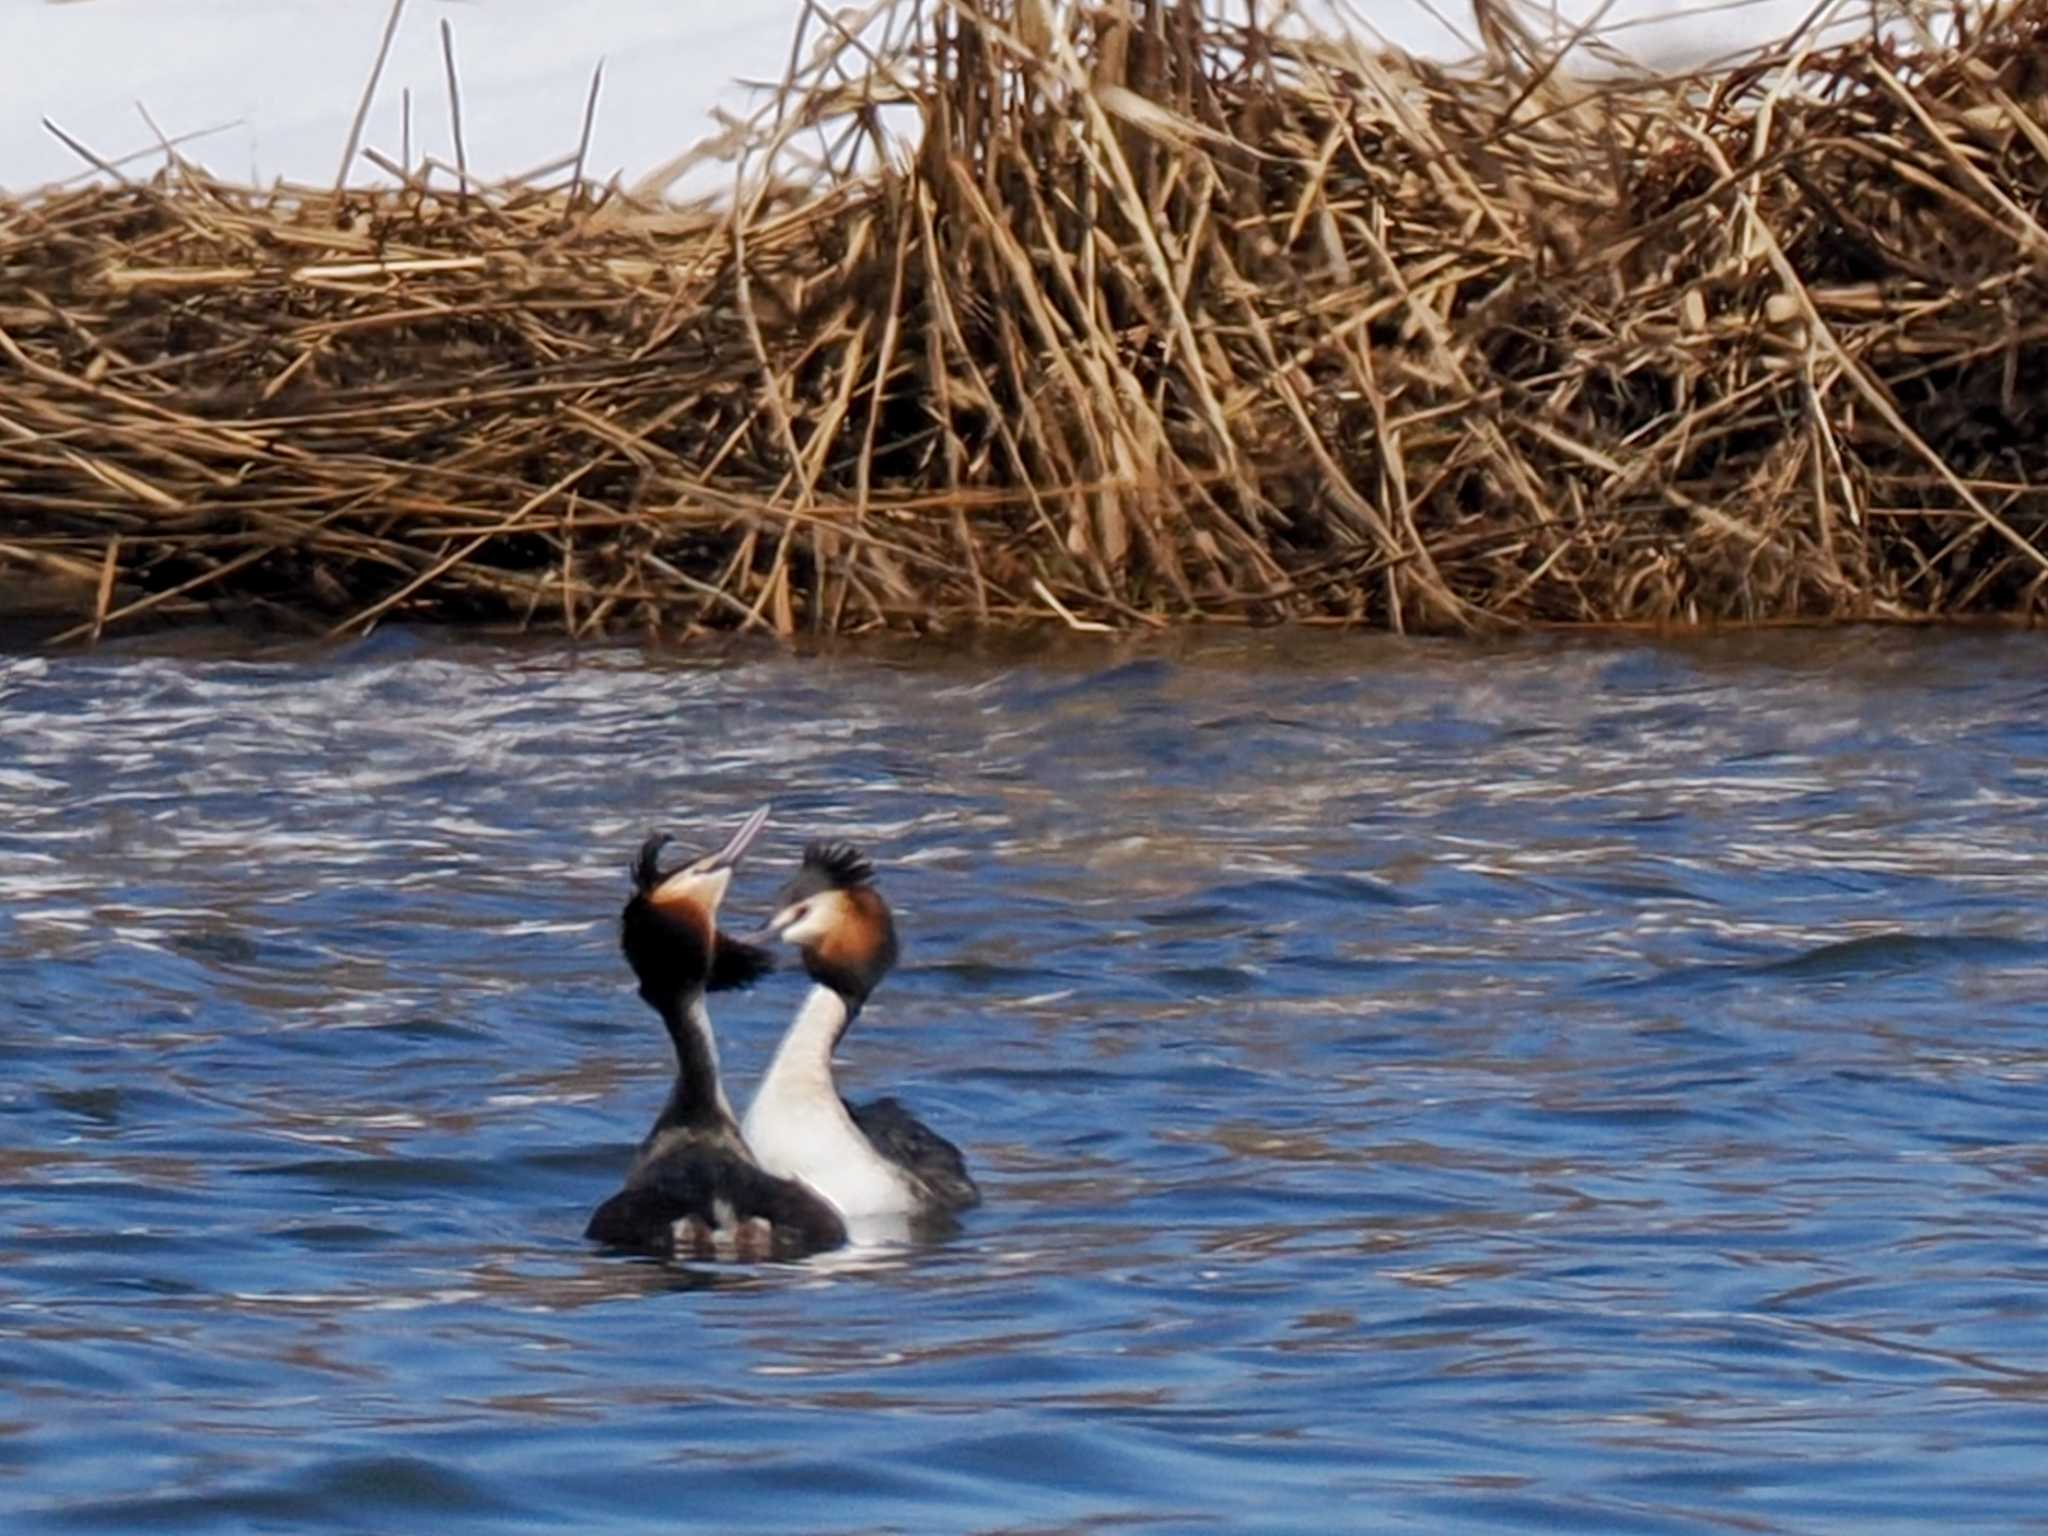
(797,1128)
(805,1055)
(698,1018)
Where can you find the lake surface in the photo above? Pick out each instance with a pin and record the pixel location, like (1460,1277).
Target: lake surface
(1421,1087)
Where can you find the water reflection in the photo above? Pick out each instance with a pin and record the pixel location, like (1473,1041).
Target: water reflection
(1548,1087)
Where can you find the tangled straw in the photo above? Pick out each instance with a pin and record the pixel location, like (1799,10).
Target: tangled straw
(1108,313)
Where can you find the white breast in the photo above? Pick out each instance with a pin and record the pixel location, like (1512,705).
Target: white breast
(801,1131)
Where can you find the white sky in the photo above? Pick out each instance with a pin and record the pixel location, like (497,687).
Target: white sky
(288,73)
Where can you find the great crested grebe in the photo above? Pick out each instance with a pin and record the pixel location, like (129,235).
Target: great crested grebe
(693,1189)
(869,1160)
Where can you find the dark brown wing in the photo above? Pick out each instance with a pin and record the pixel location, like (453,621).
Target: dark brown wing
(710,1187)
(909,1143)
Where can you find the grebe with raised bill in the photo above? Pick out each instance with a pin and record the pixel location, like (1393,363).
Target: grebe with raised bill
(870,1160)
(693,1189)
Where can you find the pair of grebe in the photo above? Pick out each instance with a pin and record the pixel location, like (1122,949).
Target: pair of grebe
(804,1164)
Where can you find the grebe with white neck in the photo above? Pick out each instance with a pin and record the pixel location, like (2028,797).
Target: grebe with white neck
(873,1160)
(693,1189)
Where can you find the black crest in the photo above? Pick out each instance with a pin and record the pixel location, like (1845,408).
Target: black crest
(840,865)
(829,867)
(647,870)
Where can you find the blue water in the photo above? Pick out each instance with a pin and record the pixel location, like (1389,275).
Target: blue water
(1416,1087)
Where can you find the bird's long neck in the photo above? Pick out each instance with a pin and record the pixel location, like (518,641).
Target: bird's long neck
(698,1098)
(804,1059)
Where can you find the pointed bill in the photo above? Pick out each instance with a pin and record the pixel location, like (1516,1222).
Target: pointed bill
(732,852)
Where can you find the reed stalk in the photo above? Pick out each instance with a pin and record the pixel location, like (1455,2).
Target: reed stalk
(1107,313)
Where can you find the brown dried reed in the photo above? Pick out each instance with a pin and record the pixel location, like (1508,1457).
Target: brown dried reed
(1115,313)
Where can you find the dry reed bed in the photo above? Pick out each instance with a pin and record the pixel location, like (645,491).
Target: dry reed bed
(1159,318)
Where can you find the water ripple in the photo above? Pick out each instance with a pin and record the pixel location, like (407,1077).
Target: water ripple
(1416,1087)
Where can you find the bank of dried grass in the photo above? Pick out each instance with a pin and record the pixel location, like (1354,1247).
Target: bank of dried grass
(1158,317)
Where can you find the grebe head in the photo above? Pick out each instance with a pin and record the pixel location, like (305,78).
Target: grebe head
(669,930)
(834,915)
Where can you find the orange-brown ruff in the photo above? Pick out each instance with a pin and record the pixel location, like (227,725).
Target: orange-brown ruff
(872,1160)
(862,930)
(693,1189)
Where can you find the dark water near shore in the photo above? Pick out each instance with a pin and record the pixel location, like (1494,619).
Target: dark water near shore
(1560,1088)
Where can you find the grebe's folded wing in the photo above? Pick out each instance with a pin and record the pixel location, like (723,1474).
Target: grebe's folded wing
(699,1195)
(909,1143)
